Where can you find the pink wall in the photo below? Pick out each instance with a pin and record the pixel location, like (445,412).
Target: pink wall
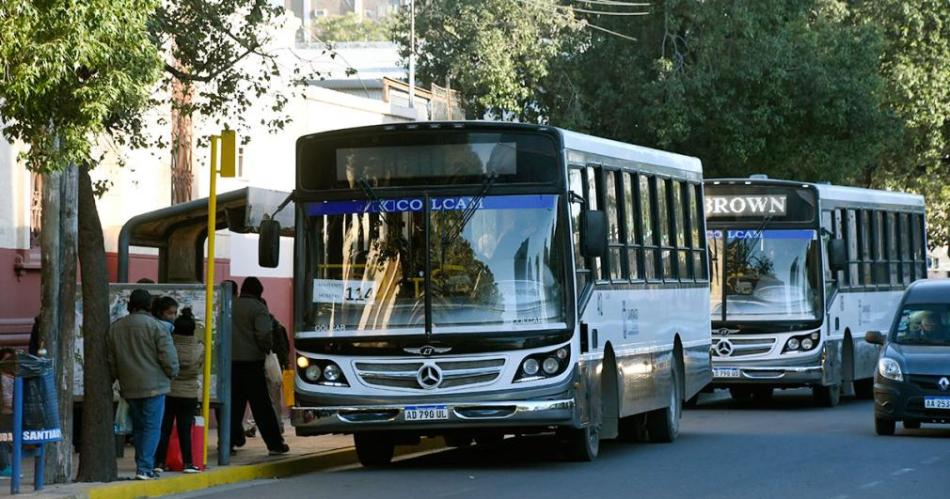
(20,297)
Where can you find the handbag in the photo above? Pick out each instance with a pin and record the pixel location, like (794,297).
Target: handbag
(123,420)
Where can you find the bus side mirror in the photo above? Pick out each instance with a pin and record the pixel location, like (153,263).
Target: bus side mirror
(837,255)
(874,337)
(268,244)
(594,233)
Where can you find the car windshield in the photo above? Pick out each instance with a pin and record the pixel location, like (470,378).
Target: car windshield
(497,267)
(764,275)
(923,325)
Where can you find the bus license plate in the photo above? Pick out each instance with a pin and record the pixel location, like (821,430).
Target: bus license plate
(426,413)
(936,402)
(726,372)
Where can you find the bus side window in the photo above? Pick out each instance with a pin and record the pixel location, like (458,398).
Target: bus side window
(576,185)
(615,242)
(696,203)
(592,193)
(854,276)
(893,261)
(663,227)
(903,230)
(631,210)
(649,235)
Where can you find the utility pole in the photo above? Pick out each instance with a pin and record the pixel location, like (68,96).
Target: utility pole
(412,54)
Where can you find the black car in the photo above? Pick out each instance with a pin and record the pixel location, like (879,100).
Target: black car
(912,381)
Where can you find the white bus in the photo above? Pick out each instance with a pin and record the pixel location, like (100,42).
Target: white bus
(799,273)
(474,280)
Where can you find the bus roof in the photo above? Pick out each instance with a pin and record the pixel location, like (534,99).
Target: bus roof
(840,193)
(630,152)
(575,141)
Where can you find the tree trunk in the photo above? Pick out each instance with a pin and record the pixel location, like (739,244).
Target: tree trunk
(50,257)
(97,452)
(59,459)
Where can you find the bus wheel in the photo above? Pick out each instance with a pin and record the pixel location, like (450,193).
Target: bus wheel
(374,449)
(827,396)
(884,427)
(864,388)
(663,425)
(580,444)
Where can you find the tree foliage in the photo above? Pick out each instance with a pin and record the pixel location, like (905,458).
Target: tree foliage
(71,69)
(497,52)
(916,67)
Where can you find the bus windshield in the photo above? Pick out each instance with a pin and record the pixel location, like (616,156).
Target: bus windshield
(764,275)
(500,270)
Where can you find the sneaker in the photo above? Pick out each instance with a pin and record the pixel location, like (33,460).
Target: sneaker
(190,470)
(143,476)
(284,449)
(159,469)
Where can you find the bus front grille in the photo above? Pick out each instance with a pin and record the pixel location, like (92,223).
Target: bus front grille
(406,375)
(742,347)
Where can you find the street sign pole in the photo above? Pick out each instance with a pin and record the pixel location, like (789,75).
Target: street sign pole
(209,293)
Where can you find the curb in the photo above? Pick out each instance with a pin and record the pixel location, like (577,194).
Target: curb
(282,468)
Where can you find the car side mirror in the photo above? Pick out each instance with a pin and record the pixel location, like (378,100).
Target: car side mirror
(268,244)
(594,233)
(874,337)
(837,255)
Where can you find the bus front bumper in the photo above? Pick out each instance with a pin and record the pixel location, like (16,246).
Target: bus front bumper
(501,414)
(821,369)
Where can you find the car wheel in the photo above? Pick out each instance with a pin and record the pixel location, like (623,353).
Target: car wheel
(580,444)
(884,427)
(827,396)
(374,449)
(864,388)
(911,424)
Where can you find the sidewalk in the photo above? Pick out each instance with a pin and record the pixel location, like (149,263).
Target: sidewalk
(250,462)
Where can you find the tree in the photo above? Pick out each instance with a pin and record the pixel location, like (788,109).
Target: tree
(914,66)
(498,53)
(353,28)
(62,79)
(790,89)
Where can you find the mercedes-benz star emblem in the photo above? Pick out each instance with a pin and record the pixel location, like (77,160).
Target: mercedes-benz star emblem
(429,376)
(944,384)
(724,348)
(427,350)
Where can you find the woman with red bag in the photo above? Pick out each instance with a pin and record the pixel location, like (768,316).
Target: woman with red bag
(182,402)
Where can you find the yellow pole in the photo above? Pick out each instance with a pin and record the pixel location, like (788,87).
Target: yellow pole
(209,293)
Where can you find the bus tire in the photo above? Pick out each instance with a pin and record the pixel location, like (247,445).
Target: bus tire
(580,444)
(864,388)
(663,425)
(884,427)
(827,396)
(374,449)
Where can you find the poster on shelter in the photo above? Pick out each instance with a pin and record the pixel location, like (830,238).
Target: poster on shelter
(187,295)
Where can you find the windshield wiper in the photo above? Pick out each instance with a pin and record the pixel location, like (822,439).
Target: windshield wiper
(371,194)
(469,212)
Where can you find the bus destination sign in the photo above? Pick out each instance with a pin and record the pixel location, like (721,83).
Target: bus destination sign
(762,205)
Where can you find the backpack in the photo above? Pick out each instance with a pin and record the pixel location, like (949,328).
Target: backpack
(281,345)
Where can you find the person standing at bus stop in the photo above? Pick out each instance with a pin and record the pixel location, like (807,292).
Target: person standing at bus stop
(142,357)
(250,343)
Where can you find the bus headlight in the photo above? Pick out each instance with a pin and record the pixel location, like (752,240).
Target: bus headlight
(544,365)
(802,342)
(332,372)
(320,371)
(793,343)
(890,369)
(807,344)
(312,373)
(530,367)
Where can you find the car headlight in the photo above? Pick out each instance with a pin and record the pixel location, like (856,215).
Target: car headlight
(890,369)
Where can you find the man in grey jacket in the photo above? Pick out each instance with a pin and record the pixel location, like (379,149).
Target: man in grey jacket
(250,343)
(143,359)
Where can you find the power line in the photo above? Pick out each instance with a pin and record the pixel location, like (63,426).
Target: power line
(606,13)
(615,3)
(585,22)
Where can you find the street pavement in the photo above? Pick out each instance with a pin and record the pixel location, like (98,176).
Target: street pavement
(787,448)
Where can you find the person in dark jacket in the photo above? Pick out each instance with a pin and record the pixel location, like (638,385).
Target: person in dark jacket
(251,337)
(182,400)
(141,355)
